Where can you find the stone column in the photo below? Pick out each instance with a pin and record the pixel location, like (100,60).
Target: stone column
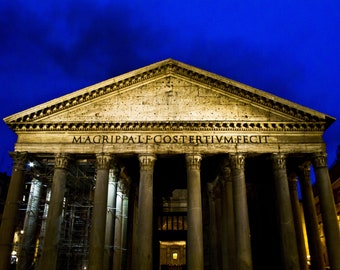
(98,221)
(328,212)
(144,241)
(218,209)
(288,246)
(125,230)
(228,231)
(26,252)
(312,228)
(195,227)
(110,217)
(213,226)
(43,221)
(48,259)
(131,262)
(10,214)
(294,198)
(117,247)
(242,230)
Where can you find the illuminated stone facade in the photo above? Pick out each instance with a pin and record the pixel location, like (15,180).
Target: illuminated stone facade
(112,154)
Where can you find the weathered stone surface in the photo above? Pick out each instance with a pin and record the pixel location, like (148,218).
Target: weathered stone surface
(168,99)
(169,107)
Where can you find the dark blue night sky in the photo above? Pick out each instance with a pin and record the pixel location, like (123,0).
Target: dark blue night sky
(51,48)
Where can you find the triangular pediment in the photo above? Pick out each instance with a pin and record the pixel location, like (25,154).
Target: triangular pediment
(169,92)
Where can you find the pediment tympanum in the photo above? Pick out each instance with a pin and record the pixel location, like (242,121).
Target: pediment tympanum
(173,98)
(170,98)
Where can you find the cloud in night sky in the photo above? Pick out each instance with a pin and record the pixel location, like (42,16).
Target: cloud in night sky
(51,48)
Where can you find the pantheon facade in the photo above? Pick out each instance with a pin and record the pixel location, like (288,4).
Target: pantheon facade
(169,167)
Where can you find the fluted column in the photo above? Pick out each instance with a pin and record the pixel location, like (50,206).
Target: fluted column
(328,212)
(288,246)
(10,214)
(110,217)
(228,230)
(195,226)
(98,221)
(143,257)
(26,251)
(297,221)
(49,253)
(242,230)
(312,228)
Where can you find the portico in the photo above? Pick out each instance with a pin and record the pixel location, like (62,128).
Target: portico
(153,133)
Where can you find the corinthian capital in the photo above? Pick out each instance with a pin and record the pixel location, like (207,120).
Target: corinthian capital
(237,161)
(225,171)
(193,161)
(320,160)
(19,159)
(61,160)
(103,161)
(279,161)
(147,161)
(305,170)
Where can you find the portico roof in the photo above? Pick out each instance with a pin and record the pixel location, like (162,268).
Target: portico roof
(153,89)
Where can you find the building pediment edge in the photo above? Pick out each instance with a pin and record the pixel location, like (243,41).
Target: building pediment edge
(167,68)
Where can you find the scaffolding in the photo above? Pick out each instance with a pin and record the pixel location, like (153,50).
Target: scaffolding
(75,220)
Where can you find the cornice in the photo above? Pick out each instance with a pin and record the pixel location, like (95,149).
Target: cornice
(169,126)
(167,68)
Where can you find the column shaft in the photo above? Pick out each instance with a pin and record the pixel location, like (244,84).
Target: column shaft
(110,218)
(26,252)
(125,231)
(213,227)
(48,259)
(288,246)
(195,227)
(117,251)
(312,228)
(98,221)
(242,230)
(144,241)
(218,209)
(298,222)
(43,221)
(10,214)
(228,230)
(328,212)
(132,261)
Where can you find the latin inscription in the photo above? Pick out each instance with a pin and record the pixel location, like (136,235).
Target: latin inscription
(171,139)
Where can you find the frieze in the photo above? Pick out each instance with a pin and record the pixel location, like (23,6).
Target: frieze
(171,139)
